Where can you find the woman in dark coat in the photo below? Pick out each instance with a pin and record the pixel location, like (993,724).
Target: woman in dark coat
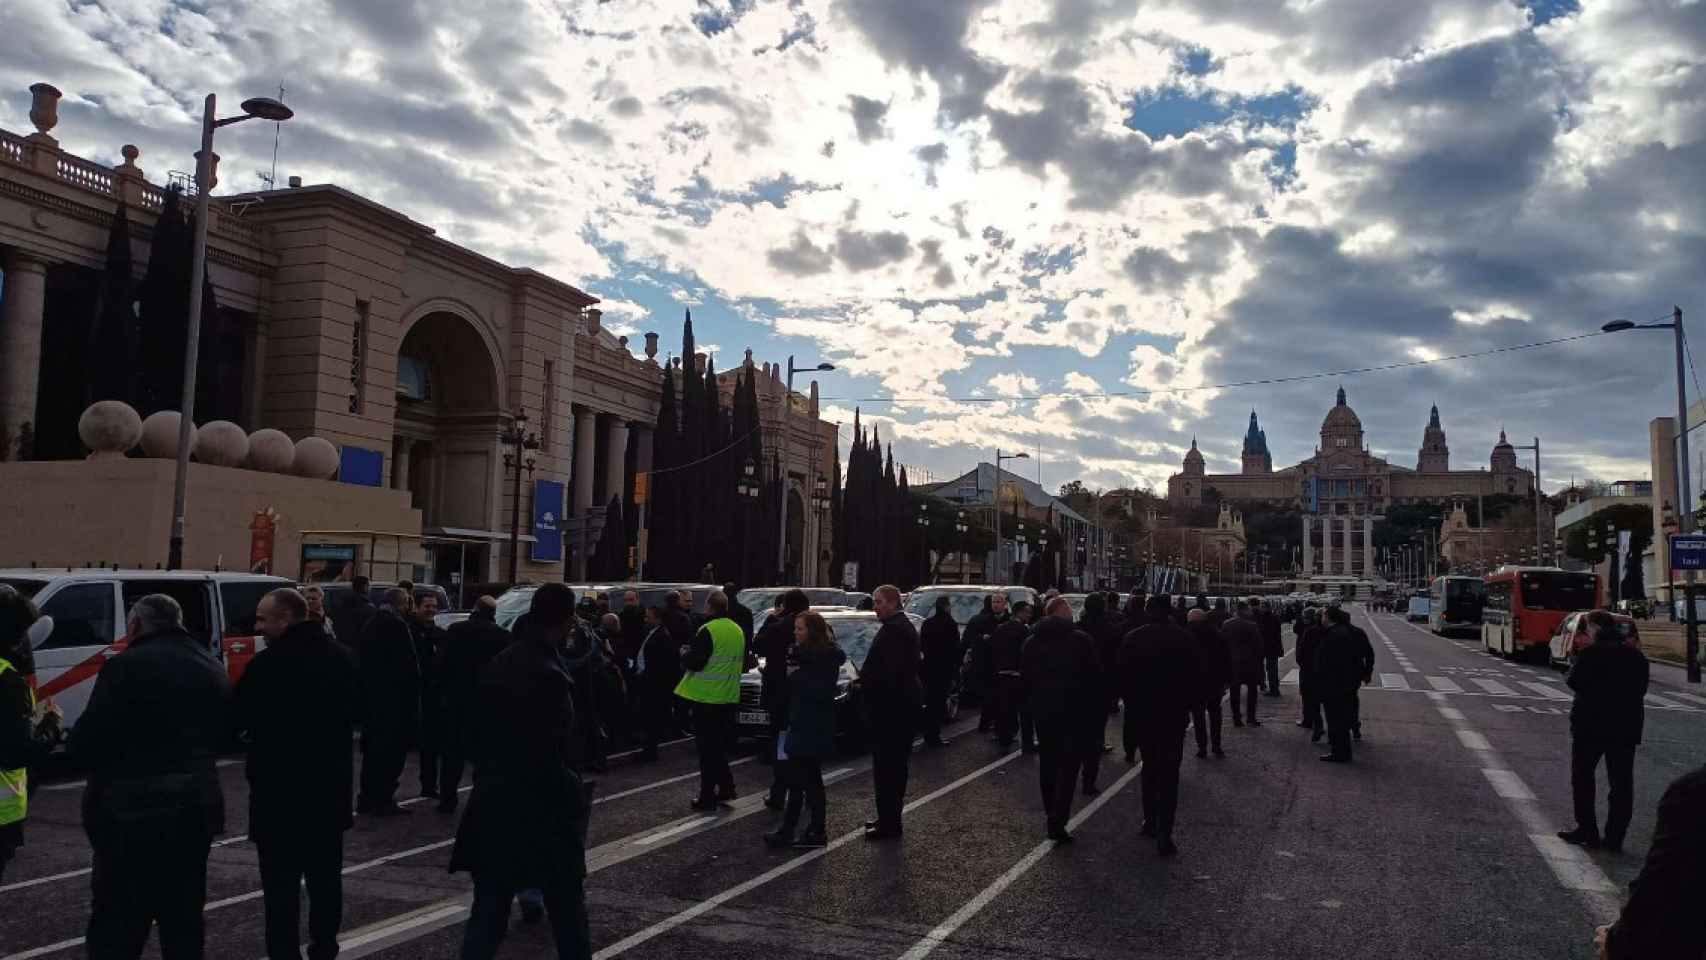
(810,734)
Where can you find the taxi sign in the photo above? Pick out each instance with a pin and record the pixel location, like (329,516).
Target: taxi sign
(1688,551)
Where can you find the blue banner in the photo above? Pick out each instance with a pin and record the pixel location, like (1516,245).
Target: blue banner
(361,466)
(547,528)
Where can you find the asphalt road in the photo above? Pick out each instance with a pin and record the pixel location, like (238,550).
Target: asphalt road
(1436,842)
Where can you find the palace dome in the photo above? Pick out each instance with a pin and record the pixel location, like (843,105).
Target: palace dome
(1341,418)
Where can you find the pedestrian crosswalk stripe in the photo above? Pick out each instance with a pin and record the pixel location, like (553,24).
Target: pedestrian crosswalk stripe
(1494,686)
(1394,681)
(1445,686)
(1552,693)
(1290,676)
(1691,698)
(1656,701)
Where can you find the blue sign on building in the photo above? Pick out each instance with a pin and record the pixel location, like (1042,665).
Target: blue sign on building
(547,528)
(361,466)
(1311,501)
(1688,551)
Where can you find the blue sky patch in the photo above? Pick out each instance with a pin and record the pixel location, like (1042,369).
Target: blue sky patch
(1174,112)
(1545,11)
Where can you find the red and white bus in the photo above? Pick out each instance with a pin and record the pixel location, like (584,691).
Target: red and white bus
(1524,605)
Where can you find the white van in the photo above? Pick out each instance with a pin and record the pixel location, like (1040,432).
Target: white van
(1419,610)
(88,608)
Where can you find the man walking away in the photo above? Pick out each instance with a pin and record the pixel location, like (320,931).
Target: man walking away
(526,823)
(149,737)
(1158,670)
(429,640)
(350,617)
(1064,694)
(1244,649)
(774,645)
(893,695)
(657,669)
(1213,667)
(1610,681)
(296,707)
(1336,675)
(468,647)
(1662,917)
(940,639)
(390,684)
(1365,667)
(1309,632)
(714,663)
(1273,647)
(978,631)
(1103,627)
(1006,647)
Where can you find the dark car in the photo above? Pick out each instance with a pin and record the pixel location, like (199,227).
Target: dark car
(515,601)
(338,593)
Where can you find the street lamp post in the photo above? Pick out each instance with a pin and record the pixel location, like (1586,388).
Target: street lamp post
(924,540)
(960,530)
(1000,575)
(263,108)
(1685,513)
(747,488)
(518,459)
(820,505)
(782,447)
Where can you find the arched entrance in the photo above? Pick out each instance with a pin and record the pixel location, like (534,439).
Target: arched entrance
(445,444)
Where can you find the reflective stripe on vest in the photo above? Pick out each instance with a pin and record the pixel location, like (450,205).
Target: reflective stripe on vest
(719,682)
(14,786)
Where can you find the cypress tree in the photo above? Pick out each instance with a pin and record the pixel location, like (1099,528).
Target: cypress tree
(662,522)
(610,560)
(112,335)
(692,447)
(716,487)
(164,311)
(838,526)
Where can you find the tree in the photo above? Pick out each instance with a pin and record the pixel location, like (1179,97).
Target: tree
(112,334)
(164,311)
(609,561)
(663,543)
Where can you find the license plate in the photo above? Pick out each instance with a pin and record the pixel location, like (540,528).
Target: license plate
(756,717)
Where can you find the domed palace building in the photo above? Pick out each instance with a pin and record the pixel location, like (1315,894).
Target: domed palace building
(1343,489)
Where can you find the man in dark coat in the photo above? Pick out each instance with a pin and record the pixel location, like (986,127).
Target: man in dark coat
(297,706)
(775,642)
(976,639)
(429,639)
(1160,678)
(1105,630)
(1337,673)
(634,628)
(1610,681)
(1006,648)
(391,689)
(1066,698)
(468,647)
(738,612)
(657,669)
(940,640)
(149,738)
(1214,666)
(679,622)
(1244,646)
(1309,630)
(893,694)
(1662,917)
(1273,646)
(353,611)
(1218,616)
(526,823)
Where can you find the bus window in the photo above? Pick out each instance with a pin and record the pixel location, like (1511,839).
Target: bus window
(1498,597)
(1543,590)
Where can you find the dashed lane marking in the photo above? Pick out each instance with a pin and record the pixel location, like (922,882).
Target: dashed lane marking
(1544,690)
(1444,685)
(1493,687)
(1472,739)
(1507,784)
(1394,681)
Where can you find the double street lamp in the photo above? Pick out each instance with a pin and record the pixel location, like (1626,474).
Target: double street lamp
(521,444)
(747,488)
(960,531)
(1001,575)
(254,108)
(782,489)
(924,539)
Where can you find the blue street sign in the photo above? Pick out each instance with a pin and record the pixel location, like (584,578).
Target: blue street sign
(1688,551)
(547,532)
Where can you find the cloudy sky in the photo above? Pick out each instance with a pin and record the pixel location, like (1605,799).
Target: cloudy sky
(1010,221)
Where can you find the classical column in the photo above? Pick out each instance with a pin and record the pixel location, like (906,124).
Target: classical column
(1368,547)
(586,450)
(1327,545)
(616,459)
(400,463)
(20,344)
(1308,545)
(1345,559)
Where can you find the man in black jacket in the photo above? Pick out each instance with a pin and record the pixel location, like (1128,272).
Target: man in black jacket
(679,622)
(1244,647)
(1006,648)
(976,639)
(773,645)
(1160,679)
(350,617)
(940,639)
(1214,666)
(738,612)
(1309,631)
(1662,917)
(391,690)
(1337,674)
(149,738)
(468,647)
(1273,646)
(1610,681)
(429,640)
(1105,629)
(893,694)
(657,669)
(1067,701)
(297,706)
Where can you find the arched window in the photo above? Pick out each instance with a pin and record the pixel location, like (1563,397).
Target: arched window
(413,380)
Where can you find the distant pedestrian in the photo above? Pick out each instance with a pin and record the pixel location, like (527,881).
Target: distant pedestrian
(1610,680)
(714,663)
(1006,648)
(978,630)
(149,737)
(350,615)
(468,647)
(296,707)
(526,823)
(1105,630)
(1218,615)
(316,600)
(1244,649)
(1309,631)
(1273,646)
(390,684)
(1065,696)
(429,639)
(583,656)
(1214,666)
(634,627)
(678,620)
(809,736)
(893,693)
(1662,917)
(1337,673)
(1160,676)
(773,647)
(657,669)
(940,640)
(738,612)
(28,734)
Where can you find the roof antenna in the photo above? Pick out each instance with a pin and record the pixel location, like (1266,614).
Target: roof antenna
(272,176)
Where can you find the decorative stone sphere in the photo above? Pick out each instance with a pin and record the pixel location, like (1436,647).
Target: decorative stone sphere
(315,458)
(109,428)
(270,450)
(160,435)
(221,443)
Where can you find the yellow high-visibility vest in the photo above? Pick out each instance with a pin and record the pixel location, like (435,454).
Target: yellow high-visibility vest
(14,785)
(719,682)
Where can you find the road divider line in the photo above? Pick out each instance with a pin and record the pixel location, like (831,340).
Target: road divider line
(1507,784)
(947,928)
(1444,685)
(1653,700)
(1473,740)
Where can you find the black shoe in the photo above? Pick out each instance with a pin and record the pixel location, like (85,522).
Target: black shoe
(1201,754)
(431,793)
(1305,724)
(1254,722)
(727,797)
(873,824)
(884,833)
(1334,758)
(704,805)
(1220,753)
(1273,693)
(1166,847)
(811,838)
(778,839)
(1107,748)
(1091,790)
(935,743)
(1580,837)
(1060,836)
(1237,722)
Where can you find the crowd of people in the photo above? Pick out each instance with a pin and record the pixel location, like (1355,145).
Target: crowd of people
(533,710)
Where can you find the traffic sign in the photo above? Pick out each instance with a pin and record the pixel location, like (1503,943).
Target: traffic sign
(1688,551)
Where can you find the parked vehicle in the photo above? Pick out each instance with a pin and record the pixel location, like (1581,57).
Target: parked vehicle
(515,601)
(964,600)
(338,593)
(1524,606)
(1572,635)
(1418,610)
(88,608)
(1454,603)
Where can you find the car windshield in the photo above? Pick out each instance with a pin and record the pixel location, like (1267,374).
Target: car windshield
(854,635)
(962,604)
(1557,590)
(513,604)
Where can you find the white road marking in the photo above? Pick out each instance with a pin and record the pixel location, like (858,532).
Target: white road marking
(1290,676)
(1473,740)
(1410,669)
(683,827)
(1507,784)
(942,931)
(1450,713)
(1552,693)
(1443,685)
(1654,700)
(1394,681)
(1493,687)
(1691,698)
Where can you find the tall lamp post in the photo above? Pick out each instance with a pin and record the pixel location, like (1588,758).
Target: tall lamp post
(820,503)
(1001,575)
(747,488)
(519,458)
(262,108)
(1685,515)
(782,492)
(960,530)
(924,540)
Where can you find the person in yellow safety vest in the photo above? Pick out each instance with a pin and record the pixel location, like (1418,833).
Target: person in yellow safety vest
(27,735)
(711,686)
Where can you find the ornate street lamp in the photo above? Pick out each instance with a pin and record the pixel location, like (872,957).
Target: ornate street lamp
(748,489)
(519,458)
(960,531)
